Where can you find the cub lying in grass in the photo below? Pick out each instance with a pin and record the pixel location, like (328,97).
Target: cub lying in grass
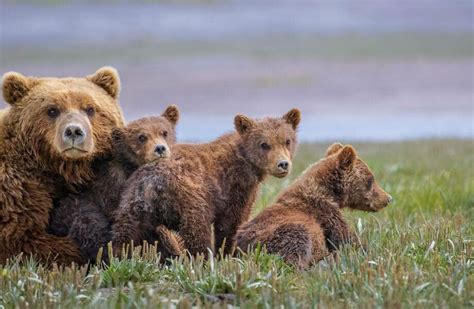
(306,222)
(204,184)
(86,217)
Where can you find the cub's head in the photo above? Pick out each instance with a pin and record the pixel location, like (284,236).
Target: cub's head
(148,139)
(63,119)
(270,144)
(357,182)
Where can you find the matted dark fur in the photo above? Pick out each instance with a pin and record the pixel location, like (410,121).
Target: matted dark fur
(208,183)
(306,222)
(87,217)
(54,132)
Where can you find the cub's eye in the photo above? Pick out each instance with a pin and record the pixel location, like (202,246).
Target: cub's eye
(142,138)
(288,142)
(53,112)
(90,111)
(370,182)
(165,134)
(265,146)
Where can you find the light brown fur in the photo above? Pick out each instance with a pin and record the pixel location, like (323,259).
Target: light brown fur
(40,161)
(208,183)
(306,222)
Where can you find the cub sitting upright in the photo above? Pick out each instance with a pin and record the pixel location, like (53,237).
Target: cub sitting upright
(208,183)
(306,222)
(87,217)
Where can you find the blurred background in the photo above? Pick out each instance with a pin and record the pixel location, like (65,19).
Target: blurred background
(358,70)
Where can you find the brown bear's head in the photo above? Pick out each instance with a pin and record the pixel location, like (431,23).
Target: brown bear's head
(361,192)
(63,120)
(270,143)
(148,139)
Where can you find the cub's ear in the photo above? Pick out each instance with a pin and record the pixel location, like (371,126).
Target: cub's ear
(346,157)
(171,113)
(243,124)
(333,149)
(15,87)
(108,79)
(293,117)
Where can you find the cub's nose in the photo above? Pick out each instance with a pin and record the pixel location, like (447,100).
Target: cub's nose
(160,149)
(390,198)
(74,133)
(283,165)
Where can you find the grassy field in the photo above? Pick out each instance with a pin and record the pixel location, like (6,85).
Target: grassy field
(419,251)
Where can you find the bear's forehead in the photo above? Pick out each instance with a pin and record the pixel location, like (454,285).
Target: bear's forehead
(149,124)
(274,129)
(68,88)
(362,168)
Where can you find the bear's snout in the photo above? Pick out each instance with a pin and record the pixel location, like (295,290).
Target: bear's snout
(160,149)
(74,133)
(73,136)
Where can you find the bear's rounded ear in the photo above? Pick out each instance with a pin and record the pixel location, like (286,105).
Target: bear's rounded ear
(346,157)
(15,87)
(171,113)
(333,149)
(293,117)
(108,79)
(243,124)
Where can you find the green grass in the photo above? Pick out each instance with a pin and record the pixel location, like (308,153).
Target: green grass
(419,251)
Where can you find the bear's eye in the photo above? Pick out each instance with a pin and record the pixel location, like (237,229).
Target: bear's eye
(265,146)
(370,182)
(165,134)
(288,142)
(90,111)
(142,138)
(53,112)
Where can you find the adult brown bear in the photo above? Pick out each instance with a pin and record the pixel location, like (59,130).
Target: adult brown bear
(56,131)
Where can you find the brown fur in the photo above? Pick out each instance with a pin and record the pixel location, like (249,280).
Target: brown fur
(306,221)
(208,183)
(40,161)
(86,217)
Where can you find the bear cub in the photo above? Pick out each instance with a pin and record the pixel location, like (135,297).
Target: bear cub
(204,184)
(306,223)
(87,217)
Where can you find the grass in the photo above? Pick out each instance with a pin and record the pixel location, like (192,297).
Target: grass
(419,251)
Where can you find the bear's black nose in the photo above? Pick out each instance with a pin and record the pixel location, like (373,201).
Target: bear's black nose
(160,149)
(283,165)
(74,133)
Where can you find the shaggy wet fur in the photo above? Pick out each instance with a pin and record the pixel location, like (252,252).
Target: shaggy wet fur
(87,217)
(206,183)
(35,166)
(306,222)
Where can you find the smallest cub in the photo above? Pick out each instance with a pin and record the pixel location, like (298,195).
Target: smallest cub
(306,222)
(87,217)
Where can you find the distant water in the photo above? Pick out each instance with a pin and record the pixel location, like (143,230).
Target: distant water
(199,128)
(77,23)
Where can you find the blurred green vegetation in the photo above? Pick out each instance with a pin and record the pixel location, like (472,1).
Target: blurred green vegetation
(342,47)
